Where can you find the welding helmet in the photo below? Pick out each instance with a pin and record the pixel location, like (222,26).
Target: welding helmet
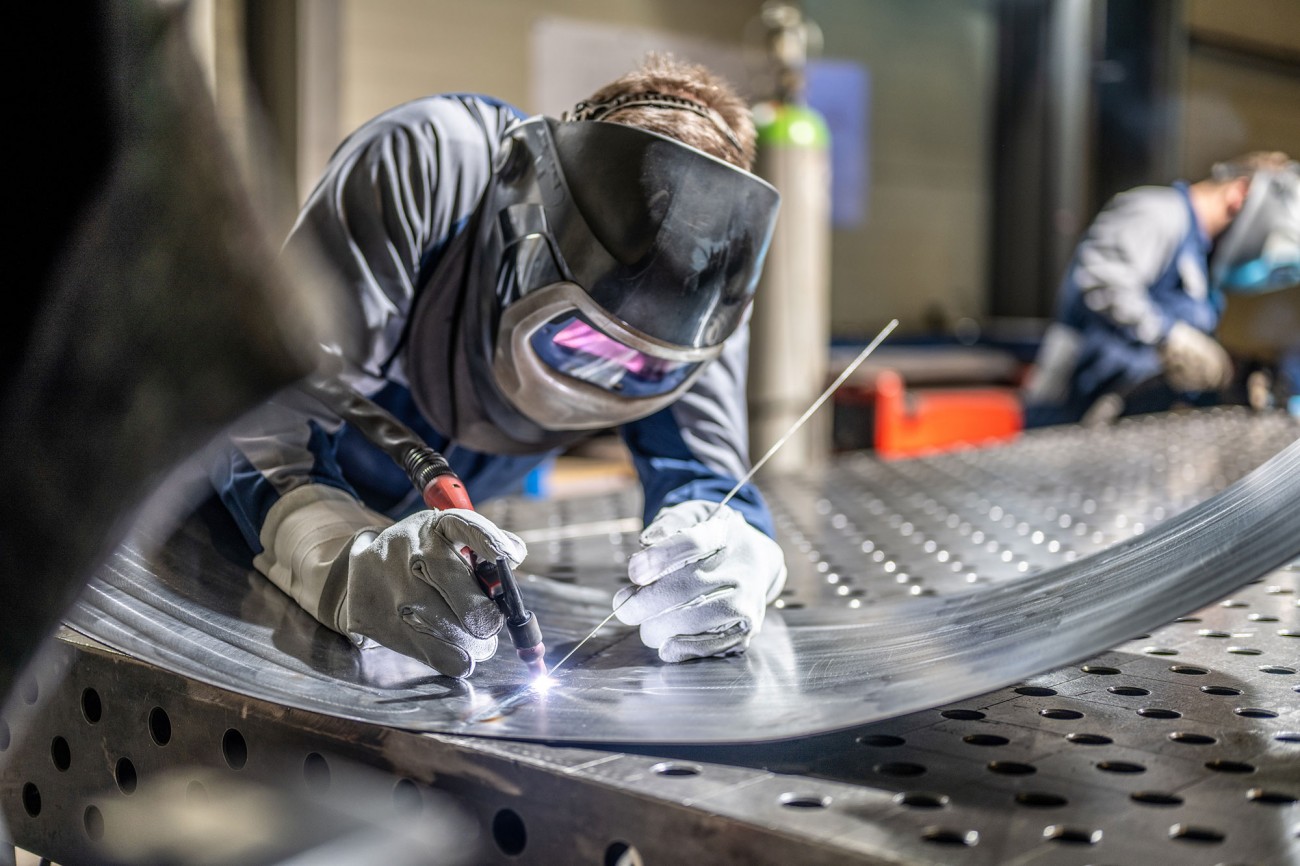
(611,264)
(1260,251)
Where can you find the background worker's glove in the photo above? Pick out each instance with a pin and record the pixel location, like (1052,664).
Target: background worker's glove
(1194,361)
(701,586)
(409,589)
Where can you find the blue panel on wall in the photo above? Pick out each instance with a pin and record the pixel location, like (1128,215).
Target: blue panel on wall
(841,91)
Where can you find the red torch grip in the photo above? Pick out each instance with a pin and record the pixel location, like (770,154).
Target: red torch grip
(446,491)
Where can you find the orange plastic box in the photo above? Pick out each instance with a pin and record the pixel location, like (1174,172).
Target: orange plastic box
(924,422)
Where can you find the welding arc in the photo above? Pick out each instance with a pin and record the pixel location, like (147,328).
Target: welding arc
(776,446)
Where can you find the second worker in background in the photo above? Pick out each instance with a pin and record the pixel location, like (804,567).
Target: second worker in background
(1142,296)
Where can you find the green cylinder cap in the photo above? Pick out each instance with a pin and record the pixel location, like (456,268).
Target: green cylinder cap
(782,124)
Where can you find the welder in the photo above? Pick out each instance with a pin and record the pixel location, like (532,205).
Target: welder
(519,283)
(1143,294)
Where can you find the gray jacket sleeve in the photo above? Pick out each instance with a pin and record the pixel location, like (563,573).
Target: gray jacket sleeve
(713,416)
(698,447)
(392,194)
(1126,249)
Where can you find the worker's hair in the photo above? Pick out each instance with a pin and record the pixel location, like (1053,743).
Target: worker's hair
(681,100)
(1247,164)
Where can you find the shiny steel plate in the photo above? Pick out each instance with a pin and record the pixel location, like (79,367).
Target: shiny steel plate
(913,584)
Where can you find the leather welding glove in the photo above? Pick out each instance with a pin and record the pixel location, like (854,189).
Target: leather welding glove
(1194,361)
(701,584)
(403,585)
(409,588)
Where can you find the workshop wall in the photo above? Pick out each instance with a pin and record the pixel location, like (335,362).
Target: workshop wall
(1242,81)
(395,50)
(921,252)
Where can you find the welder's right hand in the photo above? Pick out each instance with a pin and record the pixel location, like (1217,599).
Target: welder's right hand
(409,588)
(1194,361)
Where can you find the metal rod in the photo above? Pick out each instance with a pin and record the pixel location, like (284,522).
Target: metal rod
(808,413)
(604,622)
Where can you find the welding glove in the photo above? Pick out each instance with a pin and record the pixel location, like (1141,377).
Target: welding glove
(403,585)
(410,589)
(701,584)
(1194,361)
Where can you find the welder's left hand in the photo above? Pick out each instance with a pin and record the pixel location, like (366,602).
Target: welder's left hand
(701,586)
(1194,361)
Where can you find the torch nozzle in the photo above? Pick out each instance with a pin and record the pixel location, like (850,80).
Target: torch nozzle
(534,657)
(522,626)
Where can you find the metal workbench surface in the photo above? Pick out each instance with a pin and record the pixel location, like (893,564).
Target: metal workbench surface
(1177,744)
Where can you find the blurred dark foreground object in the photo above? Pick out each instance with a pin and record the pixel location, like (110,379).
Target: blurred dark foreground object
(200,817)
(154,313)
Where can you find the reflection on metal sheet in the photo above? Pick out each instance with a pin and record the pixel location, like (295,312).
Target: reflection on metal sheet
(913,585)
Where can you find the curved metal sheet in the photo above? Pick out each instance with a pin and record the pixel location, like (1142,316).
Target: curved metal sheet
(195,607)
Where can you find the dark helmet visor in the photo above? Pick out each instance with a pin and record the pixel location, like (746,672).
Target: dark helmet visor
(571,344)
(663,236)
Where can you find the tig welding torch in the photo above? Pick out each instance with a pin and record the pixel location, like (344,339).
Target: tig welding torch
(440,488)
